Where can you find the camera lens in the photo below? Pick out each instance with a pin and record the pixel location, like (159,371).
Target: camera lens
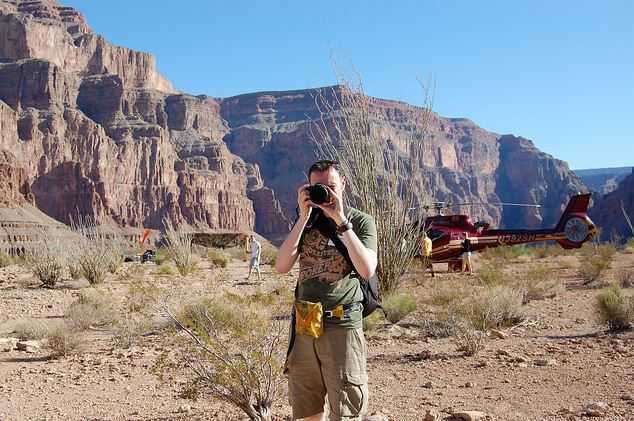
(318,193)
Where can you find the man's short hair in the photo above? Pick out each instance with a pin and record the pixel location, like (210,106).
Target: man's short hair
(323,165)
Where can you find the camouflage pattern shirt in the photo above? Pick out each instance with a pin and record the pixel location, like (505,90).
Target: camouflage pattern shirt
(326,276)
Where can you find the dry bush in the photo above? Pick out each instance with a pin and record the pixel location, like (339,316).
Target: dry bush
(179,248)
(595,261)
(384,170)
(142,295)
(218,258)
(629,246)
(372,321)
(494,307)
(5,259)
(468,340)
(46,259)
(504,253)
(443,325)
(615,308)
(269,254)
(64,341)
(548,250)
(128,329)
(165,270)
(235,351)
(31,329)
(237,253)
(491,274)
(397,306)
(625,278)
(92,308)
(450,292)
(538,283)
(161,256)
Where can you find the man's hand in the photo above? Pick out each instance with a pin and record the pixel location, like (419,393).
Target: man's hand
(334,208)
(303,200)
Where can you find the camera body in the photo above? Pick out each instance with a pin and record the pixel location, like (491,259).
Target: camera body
(318,193)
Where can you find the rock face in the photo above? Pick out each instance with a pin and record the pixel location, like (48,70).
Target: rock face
(607,213)
(603,180)
(93,129)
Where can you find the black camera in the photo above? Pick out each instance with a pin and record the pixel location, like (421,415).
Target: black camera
(318,193)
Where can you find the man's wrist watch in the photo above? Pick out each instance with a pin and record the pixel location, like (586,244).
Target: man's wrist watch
(344,226)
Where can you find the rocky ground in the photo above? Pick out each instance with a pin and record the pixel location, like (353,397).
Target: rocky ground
(559,365)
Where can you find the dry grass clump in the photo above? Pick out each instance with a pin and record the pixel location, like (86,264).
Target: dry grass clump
(373,320)
(237,253)
(64,341)
(595,261)
(504,253)
(128,329)
(269,254)
(443,325)
(492,274)
(446,293)
(235,352)
(31,329)
(548,250)
(495,307)
(5,259)
(142,296)
(538,283)
(615,308)
(92,308)
(469,341)
(165,270)
(47,259)
(179,248)
(397,306)
(218,258)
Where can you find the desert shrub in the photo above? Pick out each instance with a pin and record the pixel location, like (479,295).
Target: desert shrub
(179,248)
(92,308)
(64,341)
(625,278)
(449,292)
(5,259)
(629,246)
(469,341)
(499,306)
(46,259)
(538,283)
(372,321)
(543,251)
(218,258)
(594,264)
(128,329)
(615,308)
(165,270)
(443,325)
(31,329)
(492,274)
(235,352)
(397,306)
(161,256)
(142,295)
(237,253)
(269,254)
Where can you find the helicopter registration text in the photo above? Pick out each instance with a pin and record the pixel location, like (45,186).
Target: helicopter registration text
(517,238)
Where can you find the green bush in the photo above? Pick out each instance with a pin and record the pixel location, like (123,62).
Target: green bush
(504,253)
(218,258)
(595,261)
(397,306)
(615,308)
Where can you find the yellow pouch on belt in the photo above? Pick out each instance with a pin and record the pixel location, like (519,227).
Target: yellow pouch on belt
(309,318)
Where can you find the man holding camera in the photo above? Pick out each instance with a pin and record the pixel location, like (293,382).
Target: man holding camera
(328,353)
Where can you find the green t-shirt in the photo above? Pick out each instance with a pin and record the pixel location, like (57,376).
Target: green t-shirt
(326,276)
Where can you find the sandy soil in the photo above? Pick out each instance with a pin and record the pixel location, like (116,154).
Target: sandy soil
(545,370)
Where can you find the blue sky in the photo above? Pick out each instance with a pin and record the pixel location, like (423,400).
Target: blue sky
(558,72)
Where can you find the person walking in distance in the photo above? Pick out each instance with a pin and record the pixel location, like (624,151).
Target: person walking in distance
(256,252)
(425,251)
(327,357)
(466,254)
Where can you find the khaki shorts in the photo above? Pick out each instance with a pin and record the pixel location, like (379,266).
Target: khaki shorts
(332,365)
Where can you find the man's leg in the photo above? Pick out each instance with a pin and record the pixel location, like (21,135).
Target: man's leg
(257,267)
(342,353)
(306,389)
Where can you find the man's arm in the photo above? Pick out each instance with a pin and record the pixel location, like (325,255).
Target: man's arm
(363,259)
(289,251)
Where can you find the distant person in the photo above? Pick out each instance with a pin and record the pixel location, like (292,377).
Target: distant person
(425,249)
(256,252)
(466,255)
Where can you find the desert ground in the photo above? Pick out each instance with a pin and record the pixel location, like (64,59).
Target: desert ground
(557,362)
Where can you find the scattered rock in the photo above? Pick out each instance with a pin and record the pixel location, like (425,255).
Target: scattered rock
(503,352)
(469,415)
(432,415)
(498,334)
(627,397)
(469,384)
(376,417)
(28,346)
(185,409)
(545,362)
(8,344)
(596,409)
